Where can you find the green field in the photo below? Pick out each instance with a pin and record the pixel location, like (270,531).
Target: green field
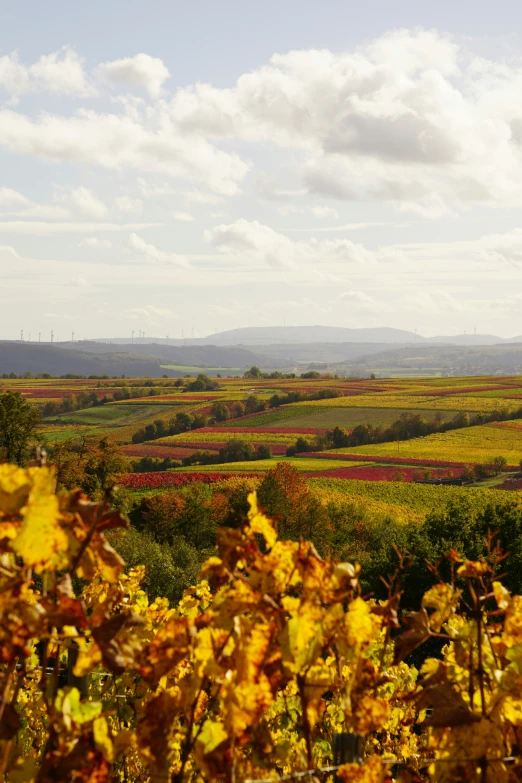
(351,417)
(105,414)
(205,370)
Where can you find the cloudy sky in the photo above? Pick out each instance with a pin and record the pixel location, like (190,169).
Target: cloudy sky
(203,165)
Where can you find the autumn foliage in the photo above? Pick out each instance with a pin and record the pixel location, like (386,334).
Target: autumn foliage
(251,676)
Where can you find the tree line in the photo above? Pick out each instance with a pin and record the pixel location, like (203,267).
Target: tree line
(407,427)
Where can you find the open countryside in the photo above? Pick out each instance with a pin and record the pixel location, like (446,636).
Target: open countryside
(260,391)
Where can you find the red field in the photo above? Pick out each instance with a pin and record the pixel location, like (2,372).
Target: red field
(168,479)
(158,452)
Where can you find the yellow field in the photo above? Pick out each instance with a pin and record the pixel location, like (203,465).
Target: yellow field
(471,444)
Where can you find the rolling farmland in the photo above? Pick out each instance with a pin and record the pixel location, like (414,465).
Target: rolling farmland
(162,419)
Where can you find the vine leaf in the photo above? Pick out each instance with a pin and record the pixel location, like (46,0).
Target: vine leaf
(418,632)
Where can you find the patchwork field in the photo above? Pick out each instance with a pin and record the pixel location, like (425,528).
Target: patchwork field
(175,419)
(468,445)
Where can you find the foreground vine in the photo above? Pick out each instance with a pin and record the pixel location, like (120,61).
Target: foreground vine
(269,657)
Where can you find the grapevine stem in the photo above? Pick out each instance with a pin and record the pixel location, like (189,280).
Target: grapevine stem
(301,680)
(8,674)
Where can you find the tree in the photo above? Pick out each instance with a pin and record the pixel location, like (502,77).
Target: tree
(285,496)
(236,450)
(104,463)
(480,471)
(237,409)
(253,372)
(220,411)
(253,404)
(341,438)
(19,422)
(302,445)
(499,464)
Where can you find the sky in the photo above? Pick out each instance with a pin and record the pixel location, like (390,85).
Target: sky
(178,168)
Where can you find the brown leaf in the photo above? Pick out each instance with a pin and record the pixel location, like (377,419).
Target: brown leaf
(68,611)
(154,729)
(230,543)
(104,636)
(83,764)
(418,632)
(10,722)
(168,647)
(64,586)
(91,512)
(389,611)
(449,708)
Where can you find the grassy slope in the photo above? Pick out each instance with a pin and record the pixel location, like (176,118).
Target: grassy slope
(470,444)
(418,497)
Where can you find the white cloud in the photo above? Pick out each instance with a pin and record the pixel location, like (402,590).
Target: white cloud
(198,197)
(317,211)
(41,228)
(252,240)
(153,316)
(184,217)
(410,118)
(12,198)
(357,298)
(152,253)
(126,204)
(96,243)
(8,250)
(150,191)
(14,203)
(82,200)
(115,141)
(324,212)
(59,72)
(142,70)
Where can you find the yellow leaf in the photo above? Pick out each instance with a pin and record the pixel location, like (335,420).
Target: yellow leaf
(108,560)
(512,709)
(502,595)
(75,712)
(513,623)
(473,568)
(89,657)
(15,485)
(372,771)
(259,523)
(361,625)
(444,599)
(370,714)
(41,541)
(102,738)
(211,735)
(305,636)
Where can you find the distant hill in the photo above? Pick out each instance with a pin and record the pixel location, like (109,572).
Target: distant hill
(197,355)
(36,358)
(264,335)
(322,352)
(472,339)
(458,359)
(92,358)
